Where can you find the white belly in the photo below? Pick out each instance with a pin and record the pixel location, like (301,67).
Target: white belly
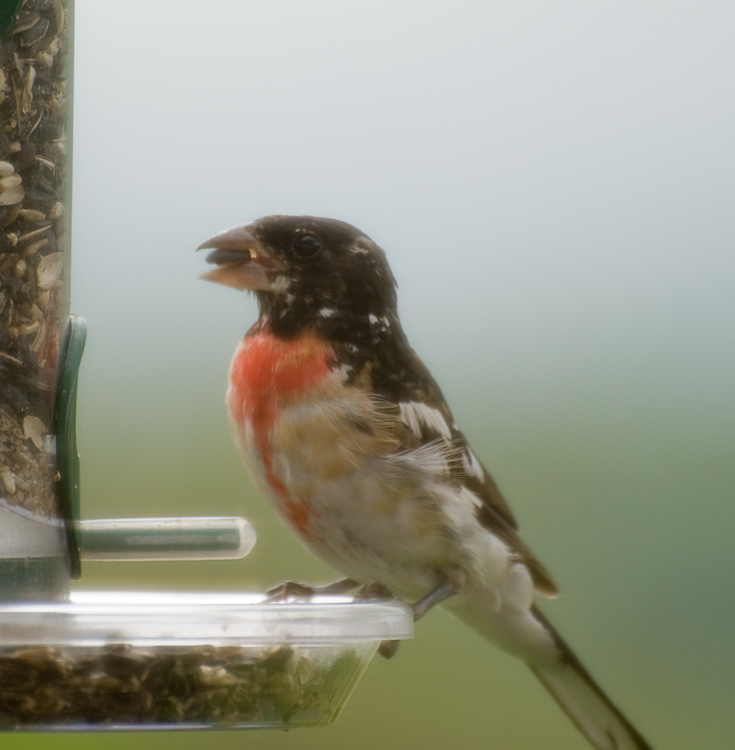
(372,513)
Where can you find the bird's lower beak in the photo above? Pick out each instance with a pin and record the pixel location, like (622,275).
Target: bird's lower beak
(241,260)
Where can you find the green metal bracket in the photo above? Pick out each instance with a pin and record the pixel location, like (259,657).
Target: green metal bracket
(67,458)
(126,539)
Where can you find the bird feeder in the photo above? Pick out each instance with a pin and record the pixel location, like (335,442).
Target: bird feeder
(75,660)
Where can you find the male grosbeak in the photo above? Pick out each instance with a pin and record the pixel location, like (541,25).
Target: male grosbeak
(348,434)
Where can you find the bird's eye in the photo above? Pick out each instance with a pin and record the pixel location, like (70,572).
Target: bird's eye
(306,246)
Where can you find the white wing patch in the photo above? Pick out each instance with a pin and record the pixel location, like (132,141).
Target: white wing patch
(471,465)
(414,414)
(327,312)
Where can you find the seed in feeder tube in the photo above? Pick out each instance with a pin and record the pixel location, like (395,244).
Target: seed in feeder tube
(7,481)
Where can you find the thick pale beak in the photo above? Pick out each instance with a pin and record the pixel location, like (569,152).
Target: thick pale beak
(241,260)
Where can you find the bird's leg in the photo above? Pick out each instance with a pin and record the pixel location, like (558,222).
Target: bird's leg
(451,585)
(293,590)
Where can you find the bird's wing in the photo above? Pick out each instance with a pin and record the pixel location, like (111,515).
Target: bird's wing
(426,417)
(425,423)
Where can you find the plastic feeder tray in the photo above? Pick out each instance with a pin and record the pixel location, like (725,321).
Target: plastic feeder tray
(125,661)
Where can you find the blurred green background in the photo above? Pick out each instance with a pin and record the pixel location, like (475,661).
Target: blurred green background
(554,186)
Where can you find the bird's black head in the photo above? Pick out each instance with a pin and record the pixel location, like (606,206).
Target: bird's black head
(308,272)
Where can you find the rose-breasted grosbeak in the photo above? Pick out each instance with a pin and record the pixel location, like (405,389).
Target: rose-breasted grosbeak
(348,434)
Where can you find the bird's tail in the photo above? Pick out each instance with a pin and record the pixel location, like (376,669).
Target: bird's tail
(530,636)
(582,699)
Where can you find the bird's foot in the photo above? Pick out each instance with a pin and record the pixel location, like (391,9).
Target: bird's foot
(377,591)
(387,649)
(288,590)
(452,583)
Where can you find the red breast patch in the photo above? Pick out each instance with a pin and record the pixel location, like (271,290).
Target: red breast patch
(266,374)
(271,369)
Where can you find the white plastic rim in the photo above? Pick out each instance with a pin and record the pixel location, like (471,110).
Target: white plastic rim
(93,618)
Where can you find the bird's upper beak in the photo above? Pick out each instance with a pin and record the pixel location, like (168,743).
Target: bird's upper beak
(242,261)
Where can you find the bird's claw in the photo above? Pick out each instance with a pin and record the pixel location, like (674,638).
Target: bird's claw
(373,592)
(387,649)
(289,590)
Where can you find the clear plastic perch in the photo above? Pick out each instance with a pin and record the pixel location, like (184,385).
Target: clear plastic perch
(143,661)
